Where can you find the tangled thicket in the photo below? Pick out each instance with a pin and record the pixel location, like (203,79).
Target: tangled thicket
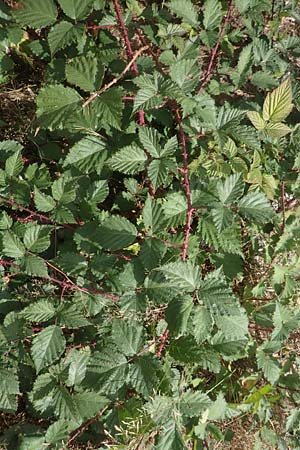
(149,223)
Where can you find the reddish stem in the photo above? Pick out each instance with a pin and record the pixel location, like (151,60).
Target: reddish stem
(214,51)
(85,426)
(4,262)
(186,183)
(34,214)
(75,287)
(129,51)
(162,339)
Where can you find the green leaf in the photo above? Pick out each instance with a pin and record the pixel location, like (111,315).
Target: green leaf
(231,189)
(35,266)
(87,155)
(55,104)
(178,313)
(171,438)
(65,405)
(149,138)
(37,238)
(186,10)
(108,108)
(98,191)
(129,160)
(47,347)
(14,164)
(143,374)
(40,311)
(63,190)
(202,324)
(192,404)
(78,365)
(36,13)
(12,245)
(128,336)
(107,370)
(255,205)
(256,120)
(116,232)
(90,403)
(269,366)
(76,9)
(70,316)
(175,209)
(86,72)
(212,14)
(63,34)
(43,202)
(58,432)
(182,275)
(278,104)
(285,321)
(158,171)
(9,389)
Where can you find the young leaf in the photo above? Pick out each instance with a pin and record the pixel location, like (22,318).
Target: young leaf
(47,346)
(278,104)
(256,120)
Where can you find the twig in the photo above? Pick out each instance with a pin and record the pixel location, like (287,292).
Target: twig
(4,262)
(85,426)
(214,51)
(115,80)
(75,287)
(100,27)
(187,187)
(34,214)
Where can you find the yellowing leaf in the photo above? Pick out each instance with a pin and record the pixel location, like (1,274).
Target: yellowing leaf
(256,120)
(278,104)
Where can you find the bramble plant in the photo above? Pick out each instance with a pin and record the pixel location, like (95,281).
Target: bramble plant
(150,223)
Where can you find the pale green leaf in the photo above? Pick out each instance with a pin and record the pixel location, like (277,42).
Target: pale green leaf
(256,120)
(192,404)
(278,104)
(276,130)
(269,366)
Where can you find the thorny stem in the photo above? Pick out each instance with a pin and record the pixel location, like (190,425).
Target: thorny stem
(134,69)
(75,287)
(34,214)
(129,51)
(187,187)
(214,51)
(162,340)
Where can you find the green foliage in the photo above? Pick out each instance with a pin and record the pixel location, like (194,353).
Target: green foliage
(149,224)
